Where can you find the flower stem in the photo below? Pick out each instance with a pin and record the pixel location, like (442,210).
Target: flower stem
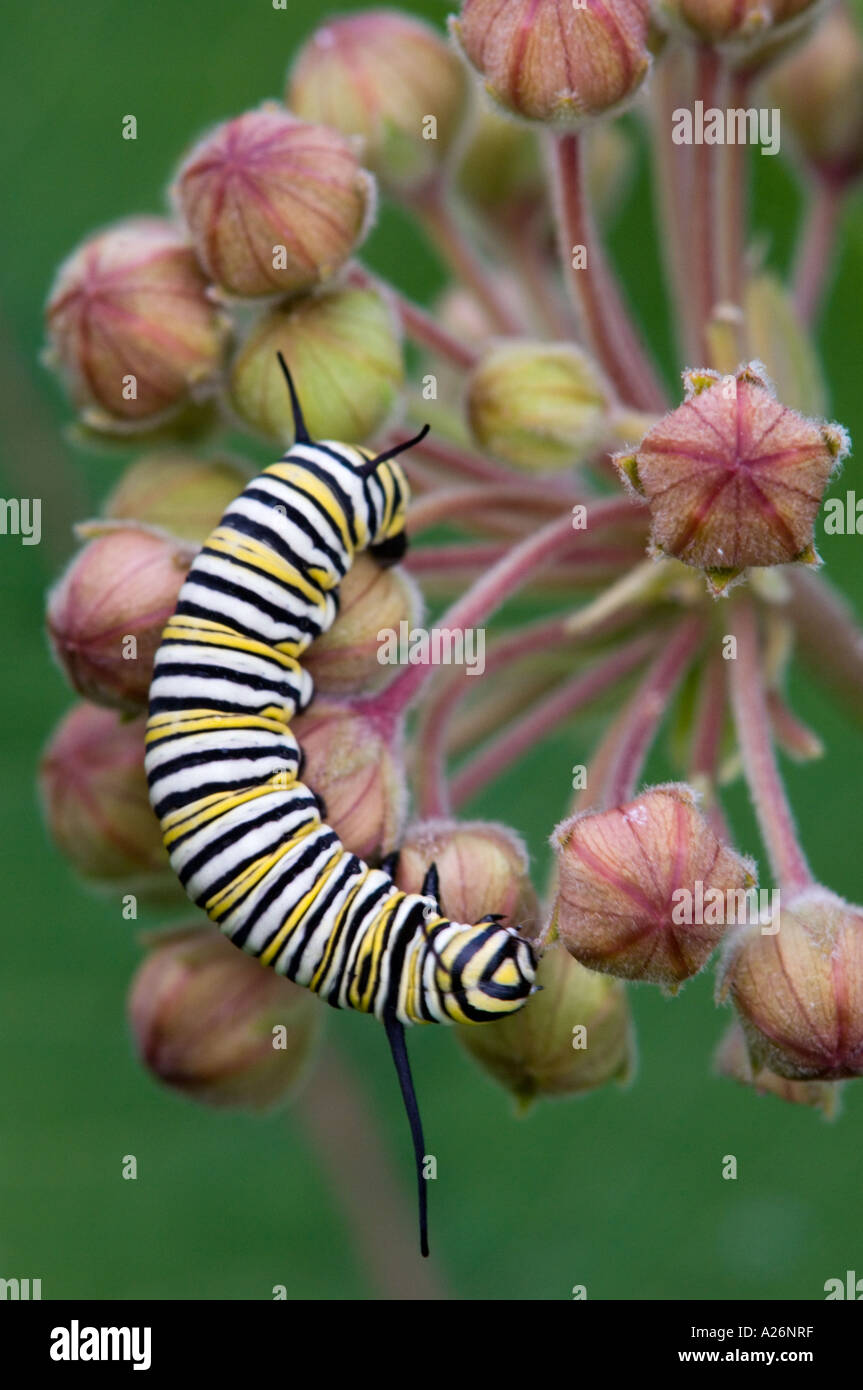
(704,205)
(646,710)
(752,722)
(732,200)
(672,165)
(417,324)
(433,208)
(706,742)
(605,319)
(816,250)
(380,1219)
(545,716)
(831,640)
(455,504)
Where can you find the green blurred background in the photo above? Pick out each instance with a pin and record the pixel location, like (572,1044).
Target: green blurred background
(621,1191)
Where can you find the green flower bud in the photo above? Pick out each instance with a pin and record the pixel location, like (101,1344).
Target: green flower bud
(94,795)
(539,407)
(130,323)
(574,1035)
(107,613)
(393,81)
(273,205)
(178,494)
(218,1026)
(345,355)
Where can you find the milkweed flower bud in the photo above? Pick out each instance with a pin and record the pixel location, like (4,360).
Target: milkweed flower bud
(218,1026)
(539,407)
(393,81)
(354,763)
(550,60)
(741,22)
(573,1035)
(799,991)
(178,494)
(732,477)
(645,889)
(345,354)
(482,868)
(130,324)
(272,204)
(345,659)
(732,1060)
(819,90)
(94,796)
(107,613)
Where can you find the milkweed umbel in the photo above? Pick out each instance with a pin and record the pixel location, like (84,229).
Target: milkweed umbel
(245,836)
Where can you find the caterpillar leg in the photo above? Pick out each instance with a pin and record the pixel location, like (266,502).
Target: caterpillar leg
(398,1047)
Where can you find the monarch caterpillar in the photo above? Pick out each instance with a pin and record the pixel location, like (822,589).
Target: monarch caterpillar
(246,838)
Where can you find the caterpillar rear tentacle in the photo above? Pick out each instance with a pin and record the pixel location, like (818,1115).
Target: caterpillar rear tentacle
(245,836)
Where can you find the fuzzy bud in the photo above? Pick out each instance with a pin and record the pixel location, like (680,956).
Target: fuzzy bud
(393,81)
(573,1035)
(743,23)
(130,324)
(732,477)
(644,888)
(353,761)
(107,613)
(218,1026)
(273,205)
(345,659)
(550,60)
(94,795)
(175,493)
(345,355)
(482,868)
(539,407)
(819,90)
(799,991)
(732,1060)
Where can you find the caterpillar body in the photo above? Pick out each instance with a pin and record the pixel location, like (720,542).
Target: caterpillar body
(246,837)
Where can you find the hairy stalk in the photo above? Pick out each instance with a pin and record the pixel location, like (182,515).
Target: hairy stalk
(456,504)
(433,209)
(816,250)
(419,326)
(522,234)
(604,317)
(572,696)
(347,1143)
(752,723)
(463,462)
(672,164)
(705,205)
(647,709)
(732,202)
(706,742)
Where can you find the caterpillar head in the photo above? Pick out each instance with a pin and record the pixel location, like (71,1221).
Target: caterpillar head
(496,977)
(389,543)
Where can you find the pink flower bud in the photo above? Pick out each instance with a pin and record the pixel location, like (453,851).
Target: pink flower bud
(799,991)
(550,60)
(216,1025)
(819,90)
(130,323)
(273,205)
(732,477)
(393,81)
(732,1060)
(345,354)
(94,795)
(344,660)
(742,22)
(353,761)
(482,867)
(107,613)
(178,494)
(573,1035)
(644,888)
